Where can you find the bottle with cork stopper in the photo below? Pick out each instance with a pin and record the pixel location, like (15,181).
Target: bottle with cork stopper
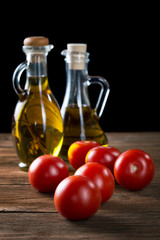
(81,122)
(37,125)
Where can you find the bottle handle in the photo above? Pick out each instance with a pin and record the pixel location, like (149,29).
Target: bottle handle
(104,92)
(16,77)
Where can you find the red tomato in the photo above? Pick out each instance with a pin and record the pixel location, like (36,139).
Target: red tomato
(46,172)
(104,155)
(77,197)
(101,176)
(78,150)
(134,169)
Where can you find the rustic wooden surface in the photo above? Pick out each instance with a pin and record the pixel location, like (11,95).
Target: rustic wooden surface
(28,214)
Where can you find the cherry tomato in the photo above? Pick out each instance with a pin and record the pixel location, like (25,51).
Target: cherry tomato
(46,172)
(134,169)
(78,150)
(101,176)
(104,155)
(77,197)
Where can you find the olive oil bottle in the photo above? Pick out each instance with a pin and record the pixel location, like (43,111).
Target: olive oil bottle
(81,122)
(37,125)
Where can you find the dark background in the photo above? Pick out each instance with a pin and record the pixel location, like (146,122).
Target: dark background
(122,42)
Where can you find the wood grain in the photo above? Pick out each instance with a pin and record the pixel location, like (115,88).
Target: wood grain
(28,214)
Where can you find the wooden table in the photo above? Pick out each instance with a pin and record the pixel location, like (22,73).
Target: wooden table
(28,214)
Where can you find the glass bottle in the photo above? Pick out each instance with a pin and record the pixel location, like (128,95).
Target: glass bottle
(81,122)
(37,125)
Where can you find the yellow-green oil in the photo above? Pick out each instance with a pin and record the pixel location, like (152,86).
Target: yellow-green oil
(73,127)
(37,126)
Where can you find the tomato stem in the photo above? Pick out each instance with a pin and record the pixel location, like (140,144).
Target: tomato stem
(134,168)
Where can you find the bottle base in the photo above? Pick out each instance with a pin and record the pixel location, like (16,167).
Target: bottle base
(23,166)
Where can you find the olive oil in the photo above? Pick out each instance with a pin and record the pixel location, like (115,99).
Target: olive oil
(37,126)
(73,127)
(81,122)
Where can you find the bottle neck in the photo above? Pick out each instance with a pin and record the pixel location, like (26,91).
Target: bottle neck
(76,94)
(37,65)
(36,57)
(36,74)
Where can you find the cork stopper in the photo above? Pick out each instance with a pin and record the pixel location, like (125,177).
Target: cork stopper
(77,47)
(76,55)
(36,41)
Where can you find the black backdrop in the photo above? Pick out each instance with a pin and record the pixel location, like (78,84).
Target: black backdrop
(122,47)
